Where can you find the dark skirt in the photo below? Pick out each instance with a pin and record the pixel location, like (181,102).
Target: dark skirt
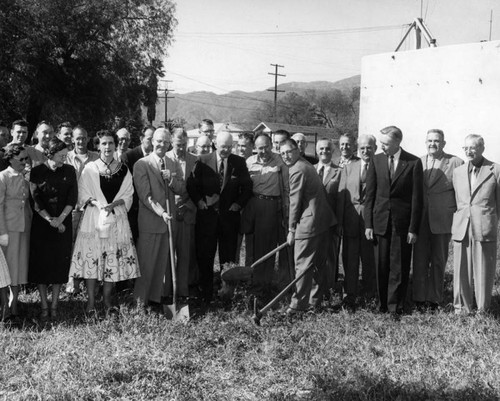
(50,252)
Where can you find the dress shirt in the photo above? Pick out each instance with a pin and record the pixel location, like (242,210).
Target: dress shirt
(396,156)
(218,164)
(326,169)
(80,161)
(265,176)
(182,163)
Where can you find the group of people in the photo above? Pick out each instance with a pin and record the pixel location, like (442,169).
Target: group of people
(68,214)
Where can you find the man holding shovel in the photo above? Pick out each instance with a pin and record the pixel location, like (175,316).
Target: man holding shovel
(309,222)
(156,177)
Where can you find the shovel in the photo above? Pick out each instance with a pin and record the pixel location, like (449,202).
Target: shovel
(174,312)
(258,313)
(244,273)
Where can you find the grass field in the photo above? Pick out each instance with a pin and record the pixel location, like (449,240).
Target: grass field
(222,355)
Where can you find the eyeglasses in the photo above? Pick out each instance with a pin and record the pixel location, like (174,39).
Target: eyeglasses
(22,159)
(469,148)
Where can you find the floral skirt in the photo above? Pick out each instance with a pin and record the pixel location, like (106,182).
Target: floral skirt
(109,259)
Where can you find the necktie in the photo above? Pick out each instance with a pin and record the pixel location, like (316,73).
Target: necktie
(391,167)
(162,164)
(473,176)
(363,173)
(221,173)
(321,173)
(362,187)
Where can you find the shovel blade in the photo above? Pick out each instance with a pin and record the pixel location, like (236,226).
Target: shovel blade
(237,274)
(176,312)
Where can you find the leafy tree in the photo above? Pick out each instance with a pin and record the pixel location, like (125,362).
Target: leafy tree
(82,60)
(333,109)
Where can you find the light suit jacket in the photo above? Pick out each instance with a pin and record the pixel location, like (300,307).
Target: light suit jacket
(439,195)
(190,211)
(478,206)
(331,183)
(310,213)
(153,190)
(350,206)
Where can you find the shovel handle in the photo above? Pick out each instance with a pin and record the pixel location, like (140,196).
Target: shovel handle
(283,292)
(172,256)
(268,255)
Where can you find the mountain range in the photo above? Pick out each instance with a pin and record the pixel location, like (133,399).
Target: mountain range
(236,106)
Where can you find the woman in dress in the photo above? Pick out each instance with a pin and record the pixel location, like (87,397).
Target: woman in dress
(55,191)
(104,249)
(15,220)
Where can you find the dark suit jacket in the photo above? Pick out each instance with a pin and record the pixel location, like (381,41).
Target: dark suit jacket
(439,195)
(204,181)
(310,213)
(400,201)
(131,156)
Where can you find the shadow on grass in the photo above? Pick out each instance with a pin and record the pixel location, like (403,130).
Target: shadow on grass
(360,386)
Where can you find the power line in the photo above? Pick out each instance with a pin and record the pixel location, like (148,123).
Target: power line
(296,33)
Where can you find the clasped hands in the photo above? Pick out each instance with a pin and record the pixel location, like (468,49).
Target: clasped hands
(57,222)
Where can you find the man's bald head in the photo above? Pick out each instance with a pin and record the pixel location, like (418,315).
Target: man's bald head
(224,143)
(367,146)
(203,145)
(301,142)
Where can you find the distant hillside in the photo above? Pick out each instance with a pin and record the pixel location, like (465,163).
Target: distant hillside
(237,106)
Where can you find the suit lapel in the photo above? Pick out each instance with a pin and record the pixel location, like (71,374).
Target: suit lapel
(434,176)
(400,168)
(156,172)
(484,173)
(329,175)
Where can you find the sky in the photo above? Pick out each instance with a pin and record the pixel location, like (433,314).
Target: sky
(226,45)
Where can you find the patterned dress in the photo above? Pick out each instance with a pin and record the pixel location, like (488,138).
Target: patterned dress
(104,249)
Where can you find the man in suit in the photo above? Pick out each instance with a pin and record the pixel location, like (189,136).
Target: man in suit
(393,210)
(474,228)
(185,216)
(301,141)
(347,146)
(309,222)
(220,187)
(329,173)
(350,208)
(130,157)
(431,248)
(156,179)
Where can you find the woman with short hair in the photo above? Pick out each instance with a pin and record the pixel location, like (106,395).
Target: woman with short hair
(15,221)
(54,190)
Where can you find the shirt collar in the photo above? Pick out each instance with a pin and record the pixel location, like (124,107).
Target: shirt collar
(13,172)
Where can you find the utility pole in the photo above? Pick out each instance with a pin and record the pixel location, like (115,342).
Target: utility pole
(275,90)
(166,97)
